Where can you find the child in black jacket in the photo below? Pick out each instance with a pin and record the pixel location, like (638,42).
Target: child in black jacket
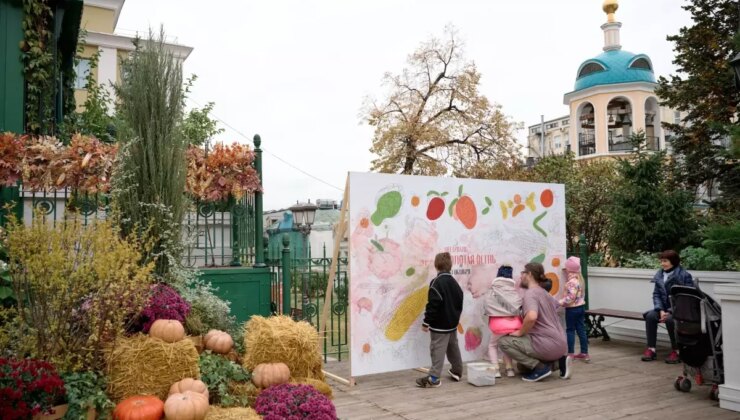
(442,315)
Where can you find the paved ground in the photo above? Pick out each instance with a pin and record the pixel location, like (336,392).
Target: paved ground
(615,385)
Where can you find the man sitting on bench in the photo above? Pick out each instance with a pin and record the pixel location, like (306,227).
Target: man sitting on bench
(670,274)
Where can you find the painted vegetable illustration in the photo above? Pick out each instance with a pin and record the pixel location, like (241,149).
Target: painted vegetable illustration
(555,283)
(406,314)
(385,258)
(473,338)
(388,206)
(547,198)
(436,206)
(536,221)
(463,209)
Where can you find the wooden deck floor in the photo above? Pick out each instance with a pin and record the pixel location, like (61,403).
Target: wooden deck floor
(616,384)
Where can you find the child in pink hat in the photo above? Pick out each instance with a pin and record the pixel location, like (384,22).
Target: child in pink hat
(575,310)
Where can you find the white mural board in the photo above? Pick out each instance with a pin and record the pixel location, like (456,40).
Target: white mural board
(398,223)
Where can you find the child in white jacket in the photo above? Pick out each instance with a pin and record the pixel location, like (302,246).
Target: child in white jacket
(503,307)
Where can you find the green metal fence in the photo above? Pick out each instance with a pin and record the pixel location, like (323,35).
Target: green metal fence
(216,234)
(306,297)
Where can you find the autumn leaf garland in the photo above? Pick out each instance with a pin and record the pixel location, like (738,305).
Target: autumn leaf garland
(86,165)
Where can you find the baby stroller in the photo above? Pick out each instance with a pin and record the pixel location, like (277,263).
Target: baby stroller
(698,323)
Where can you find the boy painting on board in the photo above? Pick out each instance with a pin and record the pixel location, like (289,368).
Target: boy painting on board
(442,315)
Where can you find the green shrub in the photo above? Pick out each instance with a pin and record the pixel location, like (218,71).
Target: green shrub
(86,390)
(701,259)
(641,259)
(218,373)
(723,239)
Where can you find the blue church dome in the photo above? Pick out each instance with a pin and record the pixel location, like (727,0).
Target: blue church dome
(613,67)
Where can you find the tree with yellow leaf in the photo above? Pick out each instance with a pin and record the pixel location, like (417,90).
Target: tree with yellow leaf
(434,120)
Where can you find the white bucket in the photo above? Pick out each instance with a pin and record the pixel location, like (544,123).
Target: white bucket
(482,374)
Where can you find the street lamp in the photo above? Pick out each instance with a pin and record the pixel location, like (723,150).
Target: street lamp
(304,215)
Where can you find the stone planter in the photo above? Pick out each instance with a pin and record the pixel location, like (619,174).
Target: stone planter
(60,411)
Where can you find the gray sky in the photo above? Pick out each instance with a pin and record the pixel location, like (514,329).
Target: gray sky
(297,71)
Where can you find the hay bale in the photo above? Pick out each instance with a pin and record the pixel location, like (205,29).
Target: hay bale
(143,365)
(280,339)
(234,413)
(318,385)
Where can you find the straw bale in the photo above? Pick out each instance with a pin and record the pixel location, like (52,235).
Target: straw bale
(143,365)
(318,385)
(234,413)
(280,339)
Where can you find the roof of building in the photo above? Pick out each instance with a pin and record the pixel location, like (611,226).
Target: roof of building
(613,67)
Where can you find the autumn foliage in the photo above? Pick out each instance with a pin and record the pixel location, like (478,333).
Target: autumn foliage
(86,164)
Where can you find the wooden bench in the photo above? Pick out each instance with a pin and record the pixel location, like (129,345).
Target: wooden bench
(595,317)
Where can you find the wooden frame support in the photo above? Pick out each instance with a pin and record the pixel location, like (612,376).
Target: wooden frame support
(339,235)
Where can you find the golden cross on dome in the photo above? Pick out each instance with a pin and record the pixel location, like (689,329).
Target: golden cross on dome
(609,7)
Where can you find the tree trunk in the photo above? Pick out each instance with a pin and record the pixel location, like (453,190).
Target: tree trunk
(408,166)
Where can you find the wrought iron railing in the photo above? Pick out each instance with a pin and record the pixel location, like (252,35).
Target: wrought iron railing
(307,296)
(586,143)
(214,233)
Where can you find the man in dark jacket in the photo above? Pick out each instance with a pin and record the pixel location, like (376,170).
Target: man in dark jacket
(671,274)
(442,315)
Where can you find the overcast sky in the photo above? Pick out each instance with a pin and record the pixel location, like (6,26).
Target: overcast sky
(296,71)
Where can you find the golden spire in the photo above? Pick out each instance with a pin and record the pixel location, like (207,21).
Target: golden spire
(609,7)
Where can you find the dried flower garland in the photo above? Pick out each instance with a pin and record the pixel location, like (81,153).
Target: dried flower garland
(86,165)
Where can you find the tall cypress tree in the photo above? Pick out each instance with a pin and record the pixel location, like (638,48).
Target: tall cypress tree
(704,89)
(149,181)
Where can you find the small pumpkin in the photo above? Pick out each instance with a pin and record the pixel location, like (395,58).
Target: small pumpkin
(188,405)
(168,330)
(189,384)
(139,407)
(218,342)
(266,375)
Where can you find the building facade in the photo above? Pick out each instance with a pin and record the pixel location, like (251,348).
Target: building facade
(613,98)
(99,22)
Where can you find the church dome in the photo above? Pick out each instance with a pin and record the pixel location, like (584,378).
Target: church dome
(614,67)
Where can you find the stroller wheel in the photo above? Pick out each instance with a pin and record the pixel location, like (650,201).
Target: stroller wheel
(714,393)
(677,383)
(685,385)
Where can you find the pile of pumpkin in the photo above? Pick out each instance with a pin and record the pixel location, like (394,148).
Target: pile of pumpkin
(158,375)
(134,381)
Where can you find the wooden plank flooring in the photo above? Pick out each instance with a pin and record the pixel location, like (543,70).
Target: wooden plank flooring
(616,384)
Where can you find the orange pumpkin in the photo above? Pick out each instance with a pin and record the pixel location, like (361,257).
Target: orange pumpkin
(167,330)
(188,405)
(218,342)
(189,384)
(139,407)
(266,375)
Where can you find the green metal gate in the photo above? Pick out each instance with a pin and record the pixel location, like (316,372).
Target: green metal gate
(308,278)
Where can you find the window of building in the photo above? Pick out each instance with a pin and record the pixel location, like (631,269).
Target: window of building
(82,69)
(676,117)
(564,122)
(590,68)
(551,126)
(556,141)
(641,63)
